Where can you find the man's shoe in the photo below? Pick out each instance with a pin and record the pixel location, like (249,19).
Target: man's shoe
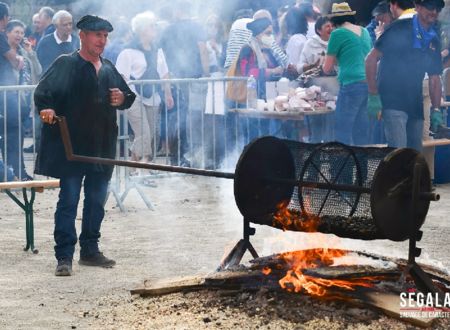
(64,267)
(97,260)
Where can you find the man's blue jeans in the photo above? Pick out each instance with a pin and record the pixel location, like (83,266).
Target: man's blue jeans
(401,130)
(95,191)
(351,119)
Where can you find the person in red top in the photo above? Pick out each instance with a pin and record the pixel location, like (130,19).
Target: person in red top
(256,58)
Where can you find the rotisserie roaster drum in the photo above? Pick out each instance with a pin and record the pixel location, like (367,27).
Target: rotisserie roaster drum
(353,192)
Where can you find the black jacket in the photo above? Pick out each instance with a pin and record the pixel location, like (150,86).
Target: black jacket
(72,88)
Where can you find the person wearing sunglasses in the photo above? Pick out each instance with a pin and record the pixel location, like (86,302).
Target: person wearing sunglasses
(407,50)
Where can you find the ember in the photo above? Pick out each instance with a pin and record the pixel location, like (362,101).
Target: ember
(287,219)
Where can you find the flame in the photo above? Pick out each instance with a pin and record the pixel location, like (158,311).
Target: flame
(295,220)
(295,280)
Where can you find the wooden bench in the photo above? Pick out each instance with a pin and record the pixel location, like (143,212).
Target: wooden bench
(28,201)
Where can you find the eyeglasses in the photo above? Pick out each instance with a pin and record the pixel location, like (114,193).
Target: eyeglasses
(431,6)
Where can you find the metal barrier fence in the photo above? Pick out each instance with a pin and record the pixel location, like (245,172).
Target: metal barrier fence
(15,107)
(195,132)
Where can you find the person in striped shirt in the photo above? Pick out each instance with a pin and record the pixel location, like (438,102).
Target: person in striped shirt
(239,36)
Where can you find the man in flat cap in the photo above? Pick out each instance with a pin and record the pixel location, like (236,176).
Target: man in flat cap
(407,50)
(87,90)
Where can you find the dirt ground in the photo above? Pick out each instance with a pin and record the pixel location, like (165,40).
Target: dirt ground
(194,222)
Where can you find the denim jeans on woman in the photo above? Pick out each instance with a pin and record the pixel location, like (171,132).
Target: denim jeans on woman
(95,191)
(402,130)
(351,119)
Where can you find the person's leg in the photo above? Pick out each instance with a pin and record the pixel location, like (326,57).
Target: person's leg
(395,127)
(359,95)
(95,191)
(345,116)
(137,118)
(66,211)
(414,132)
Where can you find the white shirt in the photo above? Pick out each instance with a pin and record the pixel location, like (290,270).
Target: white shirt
(313,50)
(131,63)
(59,41)
(311,30)
(294,47)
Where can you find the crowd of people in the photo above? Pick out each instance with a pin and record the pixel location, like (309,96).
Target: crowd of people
(367,68)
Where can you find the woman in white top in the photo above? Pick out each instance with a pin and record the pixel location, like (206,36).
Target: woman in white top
(297,27)
(313,56)
(141,60)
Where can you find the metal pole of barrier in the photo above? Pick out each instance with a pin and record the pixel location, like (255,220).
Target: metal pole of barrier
(5,132)
(190,114)
(213,101)
(202,125)
(19,124)
(179,127)
(225,131)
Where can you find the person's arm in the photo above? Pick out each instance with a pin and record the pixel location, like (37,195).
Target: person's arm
(329,64)
(15,60)
(122,97)
(49,89)
(371,70)
(36,67)
(204,58)
(163,72)
(435,87)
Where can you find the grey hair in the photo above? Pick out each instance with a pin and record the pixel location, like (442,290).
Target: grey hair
(60,14)
(262,13)
(47,11)
(141,20)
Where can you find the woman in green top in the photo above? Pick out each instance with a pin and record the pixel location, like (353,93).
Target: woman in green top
(348,46)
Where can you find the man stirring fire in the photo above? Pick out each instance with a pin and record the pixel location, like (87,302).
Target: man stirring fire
(87,90)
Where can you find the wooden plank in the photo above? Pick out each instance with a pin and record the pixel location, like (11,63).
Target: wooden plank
(29,184)
(389,304)
(160,288)
(240,280)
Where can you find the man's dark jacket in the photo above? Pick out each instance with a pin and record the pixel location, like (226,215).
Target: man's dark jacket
(72,88)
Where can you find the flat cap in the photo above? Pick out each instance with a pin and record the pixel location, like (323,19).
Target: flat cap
(94,23)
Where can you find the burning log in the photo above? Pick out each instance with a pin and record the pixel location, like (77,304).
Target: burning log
(369,286)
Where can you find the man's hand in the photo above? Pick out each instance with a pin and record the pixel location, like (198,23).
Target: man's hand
(48,116)
(374,106)
(116,97)
(291,72)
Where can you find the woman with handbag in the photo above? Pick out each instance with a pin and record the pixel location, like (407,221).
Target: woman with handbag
(257,59)
(143,60)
